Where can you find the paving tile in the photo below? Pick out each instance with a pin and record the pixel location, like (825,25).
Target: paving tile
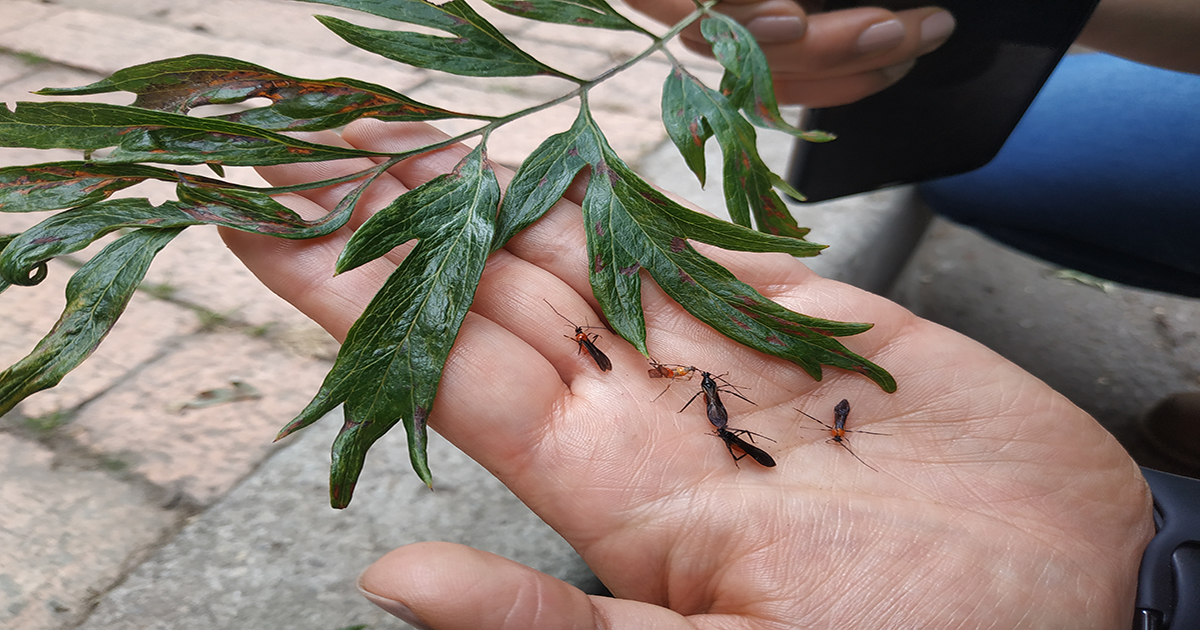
(197,269)
(284,23)
(66,535)
(184,423)
(18,13)
(273,554)
(104,43)
(13,68)
(146,330)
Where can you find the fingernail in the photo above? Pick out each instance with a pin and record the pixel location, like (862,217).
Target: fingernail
(936,29)
(396,609)
(880,37)
(894,73)
(777,29)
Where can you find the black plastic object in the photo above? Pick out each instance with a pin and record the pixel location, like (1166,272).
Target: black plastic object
(1169,580)
(954,109)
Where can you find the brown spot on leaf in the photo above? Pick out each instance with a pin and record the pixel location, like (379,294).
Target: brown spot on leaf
(762,110)
(678,244)
(631,269)
(683,275)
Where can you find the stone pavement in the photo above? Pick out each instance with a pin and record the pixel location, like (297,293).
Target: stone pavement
(145,492)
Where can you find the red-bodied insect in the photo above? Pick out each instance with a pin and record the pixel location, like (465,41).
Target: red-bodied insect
(732,438)
(841,412)
(671,371)
(585,341)
(715,409)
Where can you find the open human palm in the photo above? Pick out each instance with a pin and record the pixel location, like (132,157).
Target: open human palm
(991,502)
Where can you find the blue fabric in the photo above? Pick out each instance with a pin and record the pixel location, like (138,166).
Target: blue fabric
(1102,175)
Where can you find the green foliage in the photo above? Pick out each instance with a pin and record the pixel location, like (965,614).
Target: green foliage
(389,367)
(96,296)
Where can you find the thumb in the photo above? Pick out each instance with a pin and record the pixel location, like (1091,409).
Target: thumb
(445,586)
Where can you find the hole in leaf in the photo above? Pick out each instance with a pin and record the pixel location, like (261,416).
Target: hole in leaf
(208,111)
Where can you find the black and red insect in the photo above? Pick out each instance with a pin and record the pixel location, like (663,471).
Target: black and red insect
(733,438)
(841,412)
(586,341)
(711,391)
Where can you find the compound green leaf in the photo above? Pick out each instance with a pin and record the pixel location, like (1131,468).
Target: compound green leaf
(249,211)
(96,296)
(544,176)
(478,48)
(590,13)
(58,185)
(142,135)
(717,298)
(747,82)
(181,84)
(390,364)
(5,239)
(686,126)
(633,226)
(692,113)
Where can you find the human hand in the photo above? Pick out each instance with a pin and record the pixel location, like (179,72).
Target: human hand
(823,59)
(994,501)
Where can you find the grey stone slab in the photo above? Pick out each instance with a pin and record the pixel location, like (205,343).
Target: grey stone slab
(65,535)
(18,13)
(12,68)
(1112,349)
(105,42)
(202,417)
(273,555)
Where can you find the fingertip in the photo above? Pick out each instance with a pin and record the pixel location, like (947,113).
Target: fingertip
(454,587)
(935,29)
(777,29)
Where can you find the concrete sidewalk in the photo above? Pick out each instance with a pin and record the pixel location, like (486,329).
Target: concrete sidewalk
(145,491)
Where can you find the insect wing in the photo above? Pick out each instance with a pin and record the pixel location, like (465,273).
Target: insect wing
(755,453)
(601,359)
(841,412)
(717,414)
